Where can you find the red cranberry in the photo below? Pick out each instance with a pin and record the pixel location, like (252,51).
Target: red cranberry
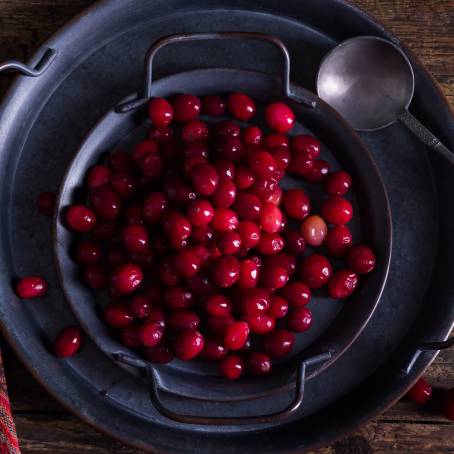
(124,185)
(260,323)
(236,335)
(202,235)
(361,259)
(225,169)
(190,163)
(448,406)
(188,345)
(175,225)
(121,162)
(161,134)
(299,320)
(126,278)
(135,238)
(178,191)
(294,242)
(297,293)
(338,240)
(157,315)
(337,211)
(308,145)
(278,307)
(194,130)
(218,325)
(318,171)
(167,271)
(243,177)
(186,108)
(281,157)
(249,274)
(160,354)
(249,233)
(130,336)
(151,165)
(195,149)
(205,179)
(274,197)
(213,350)
(300,164)
(140,306)
(202,253)
(96,276)
(105,203)
(258,363)
(338,183)
(154,206)
(80,218)
(224,220)
(187,263)
(183,321)
(218,305)
(251,135)
(31,287)
(201,213)
(229,243)
(225,194)
(232,367)
(262,164)
(270,243)
(201,285)
(247,206)
(270,218)
(296,203)
(314,230)
(134,214)
(117,315)
(278,343)
(279,117)
(68,342)
(143,149)
(241,106)
(282,260)
(46,203)
(98,176)
(88,252)
(342,284)
(229,147)
(226,271)
(227,128)
(274,277)
(255,300)
(160,112)
(179,298)
(420,392)
(315,270)
(272,141)
(214,106)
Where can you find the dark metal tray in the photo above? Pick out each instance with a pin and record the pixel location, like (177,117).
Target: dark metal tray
(99,61)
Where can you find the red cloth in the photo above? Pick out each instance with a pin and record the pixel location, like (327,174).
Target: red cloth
(8,437)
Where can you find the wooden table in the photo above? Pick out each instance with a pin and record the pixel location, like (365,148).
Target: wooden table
(427,26)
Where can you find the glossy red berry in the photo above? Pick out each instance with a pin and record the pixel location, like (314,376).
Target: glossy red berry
(236,335)
(296,293)
(225,271)
(186,108)
(278,343)
(46,203)
(420,392)
(229,243)
(262,164)
(247,206)
(361,259)
(31,287)
(260,323)
(105,203)
(243,178)
(278,307)
(179,298)
(306,144)
(338,183)
(214,106)
(154,207)
(232,367)
(188,345)
(134,238)
(300,164)
(343,283)
(314,230)
(218,305)
(140,306)
(227,128)
(225,194)
(299,320)
(204,179)
(315,271)
(251,135)
(294,242)
(68,342)
(272,141)
(282,157)
(258,363)
(124,185)
(160,134)
(213,349)
(270,218)
(296,204)
(274,277)
(270,243)
(318,171)
(150,333)
(194,130)
(88,252)
(336,211)
(225,169)
(241,106)
(160,354)
(282,260)
(96,276)
(249,233)
(279,117)
(126,278)
(151,165)
(200,213)
(198,149)
(187,263)
(175,225)
(117,315)
(338,240)
(255,301)
(160,112)
(143,149)
(229,147)
(224,220)
(98,175)
(249,274)
(80,218)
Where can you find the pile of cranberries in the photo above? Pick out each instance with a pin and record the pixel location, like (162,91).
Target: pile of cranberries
(203,253)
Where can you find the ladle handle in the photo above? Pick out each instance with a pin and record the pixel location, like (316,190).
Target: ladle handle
(415,126)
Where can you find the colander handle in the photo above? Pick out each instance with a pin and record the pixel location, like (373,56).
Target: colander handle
(155,388)
(184,37)
(26,70)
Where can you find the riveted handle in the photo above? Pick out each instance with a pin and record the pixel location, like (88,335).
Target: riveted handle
(26,70)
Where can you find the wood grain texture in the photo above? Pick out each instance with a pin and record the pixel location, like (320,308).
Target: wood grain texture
(44,426)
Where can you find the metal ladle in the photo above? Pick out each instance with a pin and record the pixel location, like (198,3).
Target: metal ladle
(370,82)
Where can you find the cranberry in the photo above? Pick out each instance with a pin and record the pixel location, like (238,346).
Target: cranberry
(126,278)
(154,207)
(278,307)
(178,191)
(80,218)
(160,112)
(299,320)
(225,194)
(179,298)
(188,345)
(236,335)
(140,306)
(281,157)
(338,240)
(247,206)
(243,177)
(255,300)
(161,134)
(117,315)
(218,305)
(420,392)
(213,106)
(361,259)
(275,198)
(175,225)
(121,162)
(227,128)
(315,270)
(229,147)
(338,183)
(213,350)
(205,179)
(88,252)
(134,238)
(160,354)
(31,287)
(282,260)
(258,363)
(249,274)
(224,220)
(194,130)
(342,284)
(187,263)
(157,315)
(297,293)
(68,342)
(251,135)
(96,276)
(98,175)
(308,145)
(262,164)
(201,285)
(186,108)
(300,164)
(318,171)
(270,218)
(279,117)
(202,235)
(46,203)
(226,271)
(197,149)
(249,233)
(260,323)
(274,277)
(201,213)
(232,367)
(225,169)
(124,185)
(190,163)
(294,242)
(151,165)
(229,243)
(270,243)
(241,106)
(218,325)
(278,343)
(296,203)
(448,407)
(314,230)
(337,211)
(105,203)
(143,149)
(134,214)
(183,321)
